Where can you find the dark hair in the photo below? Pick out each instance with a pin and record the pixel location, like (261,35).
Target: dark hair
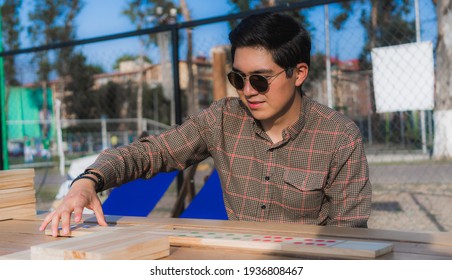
(287,41)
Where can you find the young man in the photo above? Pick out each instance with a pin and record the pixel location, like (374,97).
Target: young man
(280,155)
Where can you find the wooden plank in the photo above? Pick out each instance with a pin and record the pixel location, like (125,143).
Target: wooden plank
(20,227)
(21,255)
(14,173)
(16,178)
(325,247)
(109,245)
(347,249)
(269,243)
(18,211)
(18,196)
(17,183)
(205,253)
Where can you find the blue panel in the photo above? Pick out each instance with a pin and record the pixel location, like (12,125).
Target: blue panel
(208,203)
(139,197)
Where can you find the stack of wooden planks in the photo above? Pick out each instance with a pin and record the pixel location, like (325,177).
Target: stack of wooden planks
(17,193)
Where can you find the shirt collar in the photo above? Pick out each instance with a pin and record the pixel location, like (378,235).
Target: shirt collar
(295,129)
(292,130)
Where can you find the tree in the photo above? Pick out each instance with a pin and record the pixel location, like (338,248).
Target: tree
(140,13)
(66,32)
(129,57)
(245,5)
(52,21)
(384,25)
(81,102)
(442,146)
(11,29)
(154,98)
(191,93)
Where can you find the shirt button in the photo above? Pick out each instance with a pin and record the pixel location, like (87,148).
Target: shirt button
(267,178)
(263,207)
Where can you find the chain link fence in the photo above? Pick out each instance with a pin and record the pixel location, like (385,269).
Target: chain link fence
(374,61)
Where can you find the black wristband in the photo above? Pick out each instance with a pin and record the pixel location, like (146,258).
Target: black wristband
(99,182)
(85,177)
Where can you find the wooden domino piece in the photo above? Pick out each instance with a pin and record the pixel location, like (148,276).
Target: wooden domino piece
(106,245)
(353,249)
(81,230)
(282,244)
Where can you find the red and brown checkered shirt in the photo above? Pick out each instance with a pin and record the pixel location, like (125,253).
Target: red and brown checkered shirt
(318,174)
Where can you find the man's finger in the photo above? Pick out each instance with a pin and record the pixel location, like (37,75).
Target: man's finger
(78,211)
(46,221)
(65,223)
(100,215)
(54,226)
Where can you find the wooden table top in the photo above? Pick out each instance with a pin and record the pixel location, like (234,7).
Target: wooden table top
(17,235)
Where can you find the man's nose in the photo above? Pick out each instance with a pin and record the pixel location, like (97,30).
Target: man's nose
(248,89)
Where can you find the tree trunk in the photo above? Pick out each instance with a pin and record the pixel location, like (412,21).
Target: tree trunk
(374,24)
(166,70)
(140,94)
(192,94)
(442,145)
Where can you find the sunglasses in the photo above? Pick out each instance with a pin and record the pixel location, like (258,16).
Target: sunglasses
(258,82)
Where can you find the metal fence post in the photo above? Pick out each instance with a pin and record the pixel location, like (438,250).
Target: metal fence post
(59,135)
(177,93)
(329,87)
(3,144)
(104,133)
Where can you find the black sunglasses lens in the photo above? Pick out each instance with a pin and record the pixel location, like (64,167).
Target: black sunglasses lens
(259,83)
(236,80)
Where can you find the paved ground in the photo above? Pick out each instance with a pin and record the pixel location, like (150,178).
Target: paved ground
(412,197)
(406,196)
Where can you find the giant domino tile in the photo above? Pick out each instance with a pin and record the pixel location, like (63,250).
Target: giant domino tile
(95,242)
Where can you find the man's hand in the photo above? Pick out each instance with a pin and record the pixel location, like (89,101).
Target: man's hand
(81,194)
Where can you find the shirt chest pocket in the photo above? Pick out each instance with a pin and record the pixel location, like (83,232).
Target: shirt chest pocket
(303,193)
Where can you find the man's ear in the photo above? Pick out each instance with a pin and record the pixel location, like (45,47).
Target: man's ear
(301,73)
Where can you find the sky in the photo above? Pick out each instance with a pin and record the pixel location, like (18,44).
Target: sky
(96,20)
(103,17)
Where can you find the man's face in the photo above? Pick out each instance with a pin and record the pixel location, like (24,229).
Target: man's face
(280,104)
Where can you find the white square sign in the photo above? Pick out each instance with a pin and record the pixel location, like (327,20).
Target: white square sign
(403,77)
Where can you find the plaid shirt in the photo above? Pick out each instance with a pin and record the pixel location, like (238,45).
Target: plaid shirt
(318,174)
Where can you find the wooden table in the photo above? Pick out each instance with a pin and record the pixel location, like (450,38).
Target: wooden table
(17,235)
